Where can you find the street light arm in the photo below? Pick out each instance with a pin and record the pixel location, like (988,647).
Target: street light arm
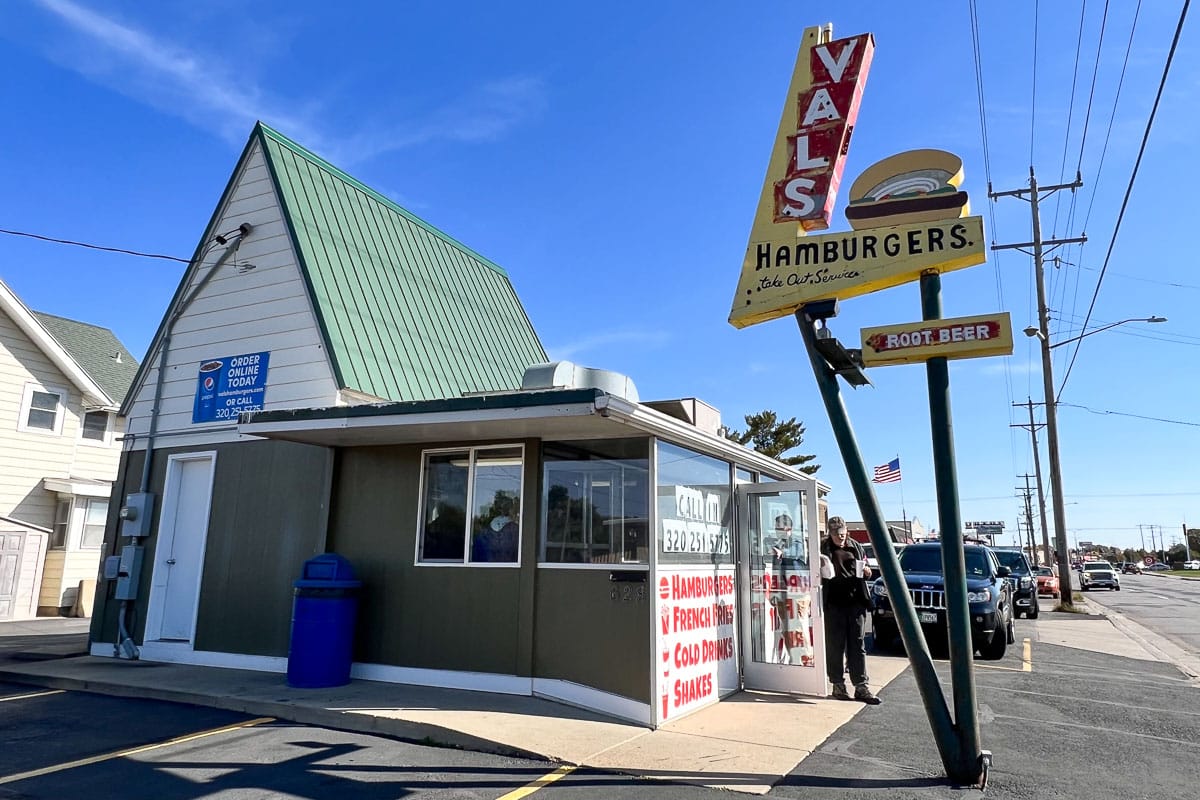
(1106,327)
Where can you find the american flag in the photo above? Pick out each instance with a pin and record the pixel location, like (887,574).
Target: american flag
(887,473)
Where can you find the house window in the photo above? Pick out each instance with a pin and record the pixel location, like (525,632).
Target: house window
(41,409)
(62,524)
(471,506)
(596,502)
(94,516)
(95,426)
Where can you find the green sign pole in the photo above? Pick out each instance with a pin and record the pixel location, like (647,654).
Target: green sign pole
(962,672)
(945,735)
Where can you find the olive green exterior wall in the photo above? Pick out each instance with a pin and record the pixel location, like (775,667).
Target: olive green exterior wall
(468,618)
(586,635)
(269,515)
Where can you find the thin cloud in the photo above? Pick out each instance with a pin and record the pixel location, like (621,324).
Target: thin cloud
(640,338)
(222,99)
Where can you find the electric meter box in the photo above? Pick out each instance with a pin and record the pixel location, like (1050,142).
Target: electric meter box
(135,515)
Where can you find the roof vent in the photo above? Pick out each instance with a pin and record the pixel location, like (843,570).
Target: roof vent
(567,375)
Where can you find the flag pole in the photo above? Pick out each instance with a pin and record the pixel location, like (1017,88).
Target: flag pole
(903,513)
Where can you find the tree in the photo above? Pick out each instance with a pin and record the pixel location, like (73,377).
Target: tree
(767,435)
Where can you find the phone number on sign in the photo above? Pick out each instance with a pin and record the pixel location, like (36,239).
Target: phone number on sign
(683,537)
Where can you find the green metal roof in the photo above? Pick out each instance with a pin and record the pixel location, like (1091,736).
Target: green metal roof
(96,350)
(407,312)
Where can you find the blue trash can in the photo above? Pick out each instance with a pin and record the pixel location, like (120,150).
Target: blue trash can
(323,615)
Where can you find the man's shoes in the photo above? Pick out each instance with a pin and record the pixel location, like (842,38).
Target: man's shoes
(839,692)
(863,694)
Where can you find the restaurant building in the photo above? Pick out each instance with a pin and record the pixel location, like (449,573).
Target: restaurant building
(335,375)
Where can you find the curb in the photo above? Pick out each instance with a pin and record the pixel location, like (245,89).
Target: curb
(422,733)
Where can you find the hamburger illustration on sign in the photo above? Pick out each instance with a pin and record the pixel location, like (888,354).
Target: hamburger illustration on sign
(907,216)
(912,187)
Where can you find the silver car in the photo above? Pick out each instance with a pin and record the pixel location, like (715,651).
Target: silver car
(1097,574)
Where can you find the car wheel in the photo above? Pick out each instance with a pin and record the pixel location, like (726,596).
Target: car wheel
(995,649)
(1010,631)
(1116,588)
(1036,610)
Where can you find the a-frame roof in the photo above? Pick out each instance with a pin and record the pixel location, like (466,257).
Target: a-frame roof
(405,311)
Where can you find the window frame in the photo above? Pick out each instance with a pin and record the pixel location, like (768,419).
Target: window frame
(83,523)
(60,408)
(105,439)
(470,451)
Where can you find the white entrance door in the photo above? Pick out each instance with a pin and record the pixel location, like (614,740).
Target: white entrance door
(179,556)
(783,646)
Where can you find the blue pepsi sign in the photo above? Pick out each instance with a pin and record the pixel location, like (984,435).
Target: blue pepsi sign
(228,386)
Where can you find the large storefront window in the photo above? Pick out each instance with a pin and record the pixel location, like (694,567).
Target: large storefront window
(694,509)
(486,480)
(596,502)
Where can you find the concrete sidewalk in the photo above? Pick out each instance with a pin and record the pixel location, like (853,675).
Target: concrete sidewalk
(748,742)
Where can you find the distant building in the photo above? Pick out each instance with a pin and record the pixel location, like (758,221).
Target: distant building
(902,531)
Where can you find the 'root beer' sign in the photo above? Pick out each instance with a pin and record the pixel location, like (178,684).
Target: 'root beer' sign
(958,337)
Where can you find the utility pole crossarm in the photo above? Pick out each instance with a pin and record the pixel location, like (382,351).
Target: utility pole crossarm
(1046,243)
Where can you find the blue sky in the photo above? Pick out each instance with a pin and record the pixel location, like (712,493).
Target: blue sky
(610,157)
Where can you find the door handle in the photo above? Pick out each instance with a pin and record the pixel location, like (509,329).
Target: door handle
(171,561)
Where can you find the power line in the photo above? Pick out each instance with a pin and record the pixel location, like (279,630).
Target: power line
(1105,413)
(1033,100)
(1062,170)
(94,246)
(1129,189)
(1113,115)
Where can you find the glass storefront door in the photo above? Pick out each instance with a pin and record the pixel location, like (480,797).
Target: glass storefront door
(783,645)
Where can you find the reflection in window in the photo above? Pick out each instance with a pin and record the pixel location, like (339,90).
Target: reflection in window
(94,515)
(62,522)
(43,410)
(486,480)
(694,508)
(95,425)
(596,502)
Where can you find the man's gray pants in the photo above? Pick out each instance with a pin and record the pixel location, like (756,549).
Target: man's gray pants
(844,648)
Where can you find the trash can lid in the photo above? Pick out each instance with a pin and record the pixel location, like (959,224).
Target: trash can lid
(327,571)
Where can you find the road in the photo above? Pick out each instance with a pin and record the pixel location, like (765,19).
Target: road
(1167,606)
(57,744)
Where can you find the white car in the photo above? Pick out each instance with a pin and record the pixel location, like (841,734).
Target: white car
(1191,565)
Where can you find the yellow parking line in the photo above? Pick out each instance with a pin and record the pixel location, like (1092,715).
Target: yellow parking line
(545,780)
(83,762)
(31,694)
(1027,657)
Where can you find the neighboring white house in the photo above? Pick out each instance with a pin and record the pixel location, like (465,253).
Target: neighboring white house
(61,383)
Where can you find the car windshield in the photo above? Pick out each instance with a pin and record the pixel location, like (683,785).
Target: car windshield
(929,559)
(1092,566)
(1046,571)
(1013,560)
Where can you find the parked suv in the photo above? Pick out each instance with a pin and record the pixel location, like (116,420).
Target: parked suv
(1098,573)
(989,597)
(1025,590)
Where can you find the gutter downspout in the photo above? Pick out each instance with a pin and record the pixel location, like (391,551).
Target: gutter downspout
(125,644)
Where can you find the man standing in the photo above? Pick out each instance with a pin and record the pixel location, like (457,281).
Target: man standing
(845,602)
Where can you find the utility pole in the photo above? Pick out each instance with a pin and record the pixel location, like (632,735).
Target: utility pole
(1027,493)
(1037,471)
(1187,547)
(1060,514)
(1142,533)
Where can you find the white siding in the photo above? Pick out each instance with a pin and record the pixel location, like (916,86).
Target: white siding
(26,457)
(264,309)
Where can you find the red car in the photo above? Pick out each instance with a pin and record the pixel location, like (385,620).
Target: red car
(1047,580)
